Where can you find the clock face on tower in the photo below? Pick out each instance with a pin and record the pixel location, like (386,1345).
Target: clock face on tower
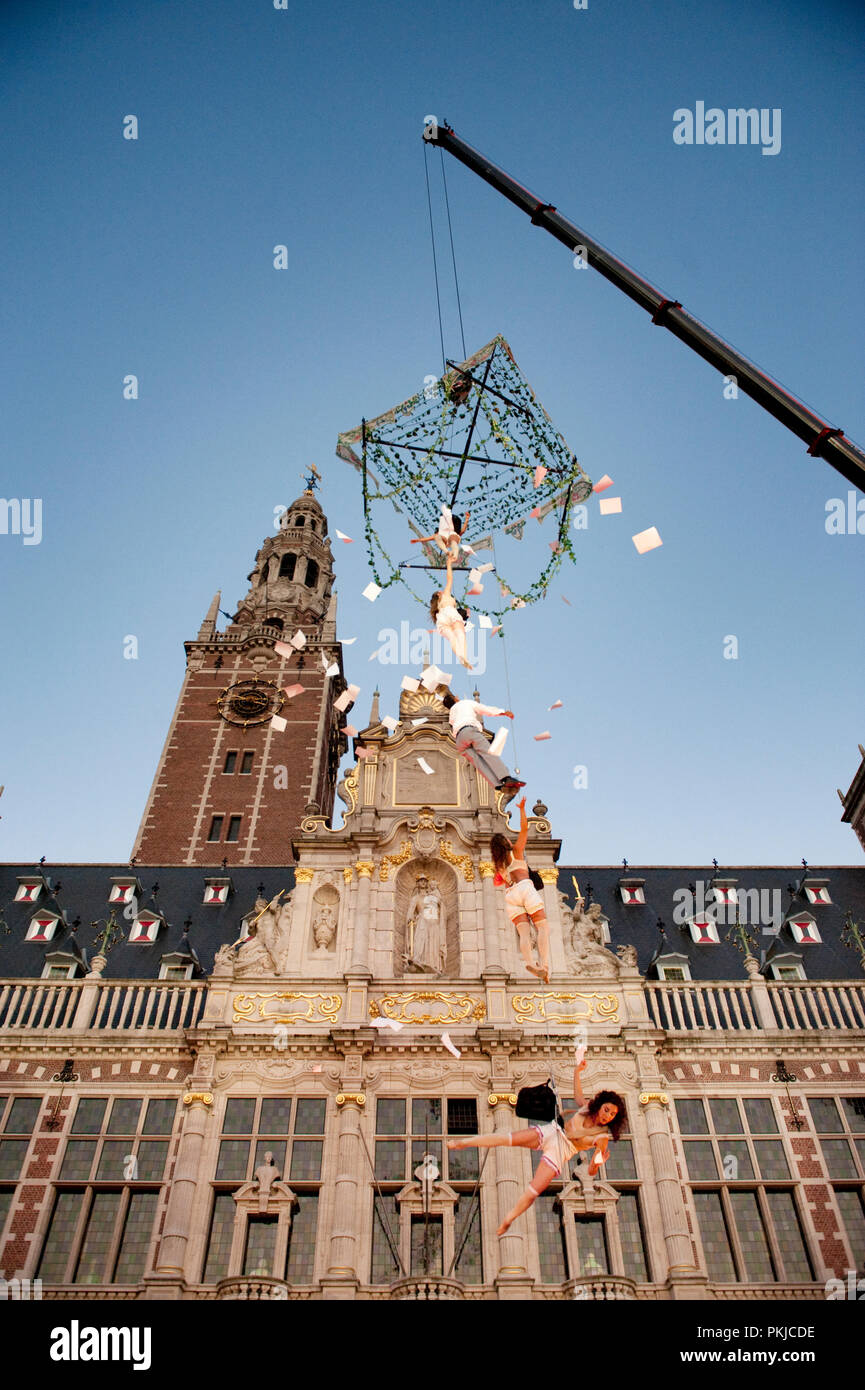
(250,702)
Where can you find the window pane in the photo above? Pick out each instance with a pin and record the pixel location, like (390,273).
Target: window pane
(760,1115)
(700,1160)
(419,1148)
(152,1154)
(620,1162)
(462,1116)
(854,1110)
(135,1244)
(591,1247)
(713,1234)
(97,1240)
(306,1160)
(310,1117)
(124,1115)
(771,1159)
(390,1159)
(258,1258)
(5,1202)
(275,1115)
(463,1165)
(631,1237)
(12,1155)
(390,1116)
(736,1160)
(426,1245)
(839,1160)
(233,830)
(160,1117)
(233,1159)
(246,765)
(58,1241)
(788,1234)
(859,1145)
(219,1244)
(824,1113)
(89,1116)
(276,1147)
(112,1162)
(23,1113)
(230,762)
(752,1237)
(691,1117)
(239,1116)
(725,1115)
(426,1115)
(215,829)
(301,1248)
(469,1266)
(551,1239)
(78,1158)
(853,1216)
(385,1214)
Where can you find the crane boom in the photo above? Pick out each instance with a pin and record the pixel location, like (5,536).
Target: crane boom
(823,440)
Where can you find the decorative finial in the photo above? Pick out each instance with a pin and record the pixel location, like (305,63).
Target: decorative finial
(312,478)
(625,865)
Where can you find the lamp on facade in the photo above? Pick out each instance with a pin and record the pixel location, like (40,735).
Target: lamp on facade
(65,1077)
(784,1077)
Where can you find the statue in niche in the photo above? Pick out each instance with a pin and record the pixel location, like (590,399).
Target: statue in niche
(266,1174)
(426,929)
(324,930)
(588,954)
(263,952)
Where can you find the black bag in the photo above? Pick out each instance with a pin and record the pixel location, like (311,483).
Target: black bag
(536,880)
(538,1103)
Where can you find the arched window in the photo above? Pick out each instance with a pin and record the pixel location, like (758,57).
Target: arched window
(286,568)
(298,520)
(311,574)
(313,523)
(274,622)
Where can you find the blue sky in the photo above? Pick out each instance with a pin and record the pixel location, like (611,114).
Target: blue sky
(154,257)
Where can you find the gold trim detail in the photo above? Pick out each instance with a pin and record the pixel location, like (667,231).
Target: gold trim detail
(493,1098)
(549,875)
(487,868)
(646,1097)
(357,1096)
(540,1007)
(393,861)
(350,788)
(541,824)
(348,873)
(298,1008)
(205,1097)
(304,875)
(460,861)
(453,1007)
(364,868)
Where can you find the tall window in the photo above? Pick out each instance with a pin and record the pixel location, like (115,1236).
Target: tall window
(230,762)
(246,763)
(292,1129)
(743,1194)
(233,830)
(405,1130)
(840,1124)
(286,566)
(311,574)
(215,832)
(18,1118)
(107,1191)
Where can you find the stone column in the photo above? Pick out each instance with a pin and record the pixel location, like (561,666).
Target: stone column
(360,940)
(552,903)
(513,1280)
(492,945)
(169,1274)
(341,1280)
(300,913)
(683,1278)
(758,991)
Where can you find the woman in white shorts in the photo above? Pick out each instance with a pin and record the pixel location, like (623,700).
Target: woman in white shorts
(591,1127)
(448,619)
(523,902)
(451,530)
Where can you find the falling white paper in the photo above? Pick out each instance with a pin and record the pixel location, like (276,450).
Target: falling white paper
(346,641)
(540,474)
(317,1068)
(341,537)
(389,722)
(425,766)
(499,741)
(292,690)
(409,683)
(647,540)
(332,670)
(599,1156)
(485,620)
(374,654)
(540,737)
(350,730)
(449,1045)
(342,702)
(424,720)
(298,640)
(283,649)
(610,505)
(279,724)
(603,484)
(391,1023)
(371,591)
(557,704)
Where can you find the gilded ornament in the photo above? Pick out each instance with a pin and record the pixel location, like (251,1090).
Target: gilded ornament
(549,875)
(460,861)
(304,875)
(487,868)
(536,1007)
(364,868)
(292,1008)
(205,1097)
(646,1097)
(357,1096)
(349,786)
(454,1007)
(348,873)
(393,861)
(495,1097)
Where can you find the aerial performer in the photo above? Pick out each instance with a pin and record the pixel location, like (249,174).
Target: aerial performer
(448,619)
(451,530)
(471,741)
(523,902)
(592,1126)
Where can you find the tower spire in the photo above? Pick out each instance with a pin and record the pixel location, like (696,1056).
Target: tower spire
(208,627)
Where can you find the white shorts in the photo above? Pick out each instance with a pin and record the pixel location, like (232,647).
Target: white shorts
(523,898)
(556,1145)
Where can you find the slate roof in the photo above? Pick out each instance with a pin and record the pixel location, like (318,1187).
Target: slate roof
(84,890)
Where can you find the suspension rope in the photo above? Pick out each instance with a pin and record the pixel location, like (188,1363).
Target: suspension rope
(470,1216)
(384,1217)
(507,670)
(435,265)
(453,257)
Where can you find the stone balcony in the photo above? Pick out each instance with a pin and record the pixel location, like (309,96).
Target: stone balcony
(428,1288)
(252,1287)
(601,1287)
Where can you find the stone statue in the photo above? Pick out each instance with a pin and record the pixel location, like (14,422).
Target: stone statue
(324,930)
(263,951)
(627,955)
(266,1175)
(589,955)
(425,931)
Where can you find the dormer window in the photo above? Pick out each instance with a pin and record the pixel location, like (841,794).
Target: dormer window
(817,893)
(804,930)
(177,965)
(124,890)
(725,894)
(42,926)
(61,965)
(286,566)
(145,928)
(29,888)
(787,967)
(703,931)
(631,895)
(673,967)
(216,891)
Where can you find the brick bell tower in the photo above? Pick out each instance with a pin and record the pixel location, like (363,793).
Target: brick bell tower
(229,785)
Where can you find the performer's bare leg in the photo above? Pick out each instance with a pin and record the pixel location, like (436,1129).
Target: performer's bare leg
(542,1179)
(543,930)
(524,933)
(519,1139)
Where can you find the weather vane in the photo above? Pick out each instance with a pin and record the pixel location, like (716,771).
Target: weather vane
(311,478)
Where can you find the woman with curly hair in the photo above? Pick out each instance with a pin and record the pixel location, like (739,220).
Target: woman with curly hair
(591,1127)
(448,619)
(523,902)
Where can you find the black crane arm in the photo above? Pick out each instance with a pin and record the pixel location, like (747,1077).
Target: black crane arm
(823,440)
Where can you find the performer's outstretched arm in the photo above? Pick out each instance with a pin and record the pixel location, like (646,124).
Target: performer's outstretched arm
(520,846)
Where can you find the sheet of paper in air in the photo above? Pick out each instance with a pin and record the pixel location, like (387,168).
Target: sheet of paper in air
(423,720)
(485,620)
(554,546)
(540,474)
(499,741)
(346,641)
(341,537)
(566,600)
(603,483)
(389,722)
(426,767)
(449,1045)
(484,543)
(317,1067)
(350,730)
(409,683)
(610,505)
(540,737)
(364,752)
(332,670)
(557,704)
(371,591)
(372,656)
(279,724)
(580,1054)
(536,513)
(298,640)
(342,702)
(283,649)
(647,540)
(431,677)
(390,1023)
(599,1156)
(293,690)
